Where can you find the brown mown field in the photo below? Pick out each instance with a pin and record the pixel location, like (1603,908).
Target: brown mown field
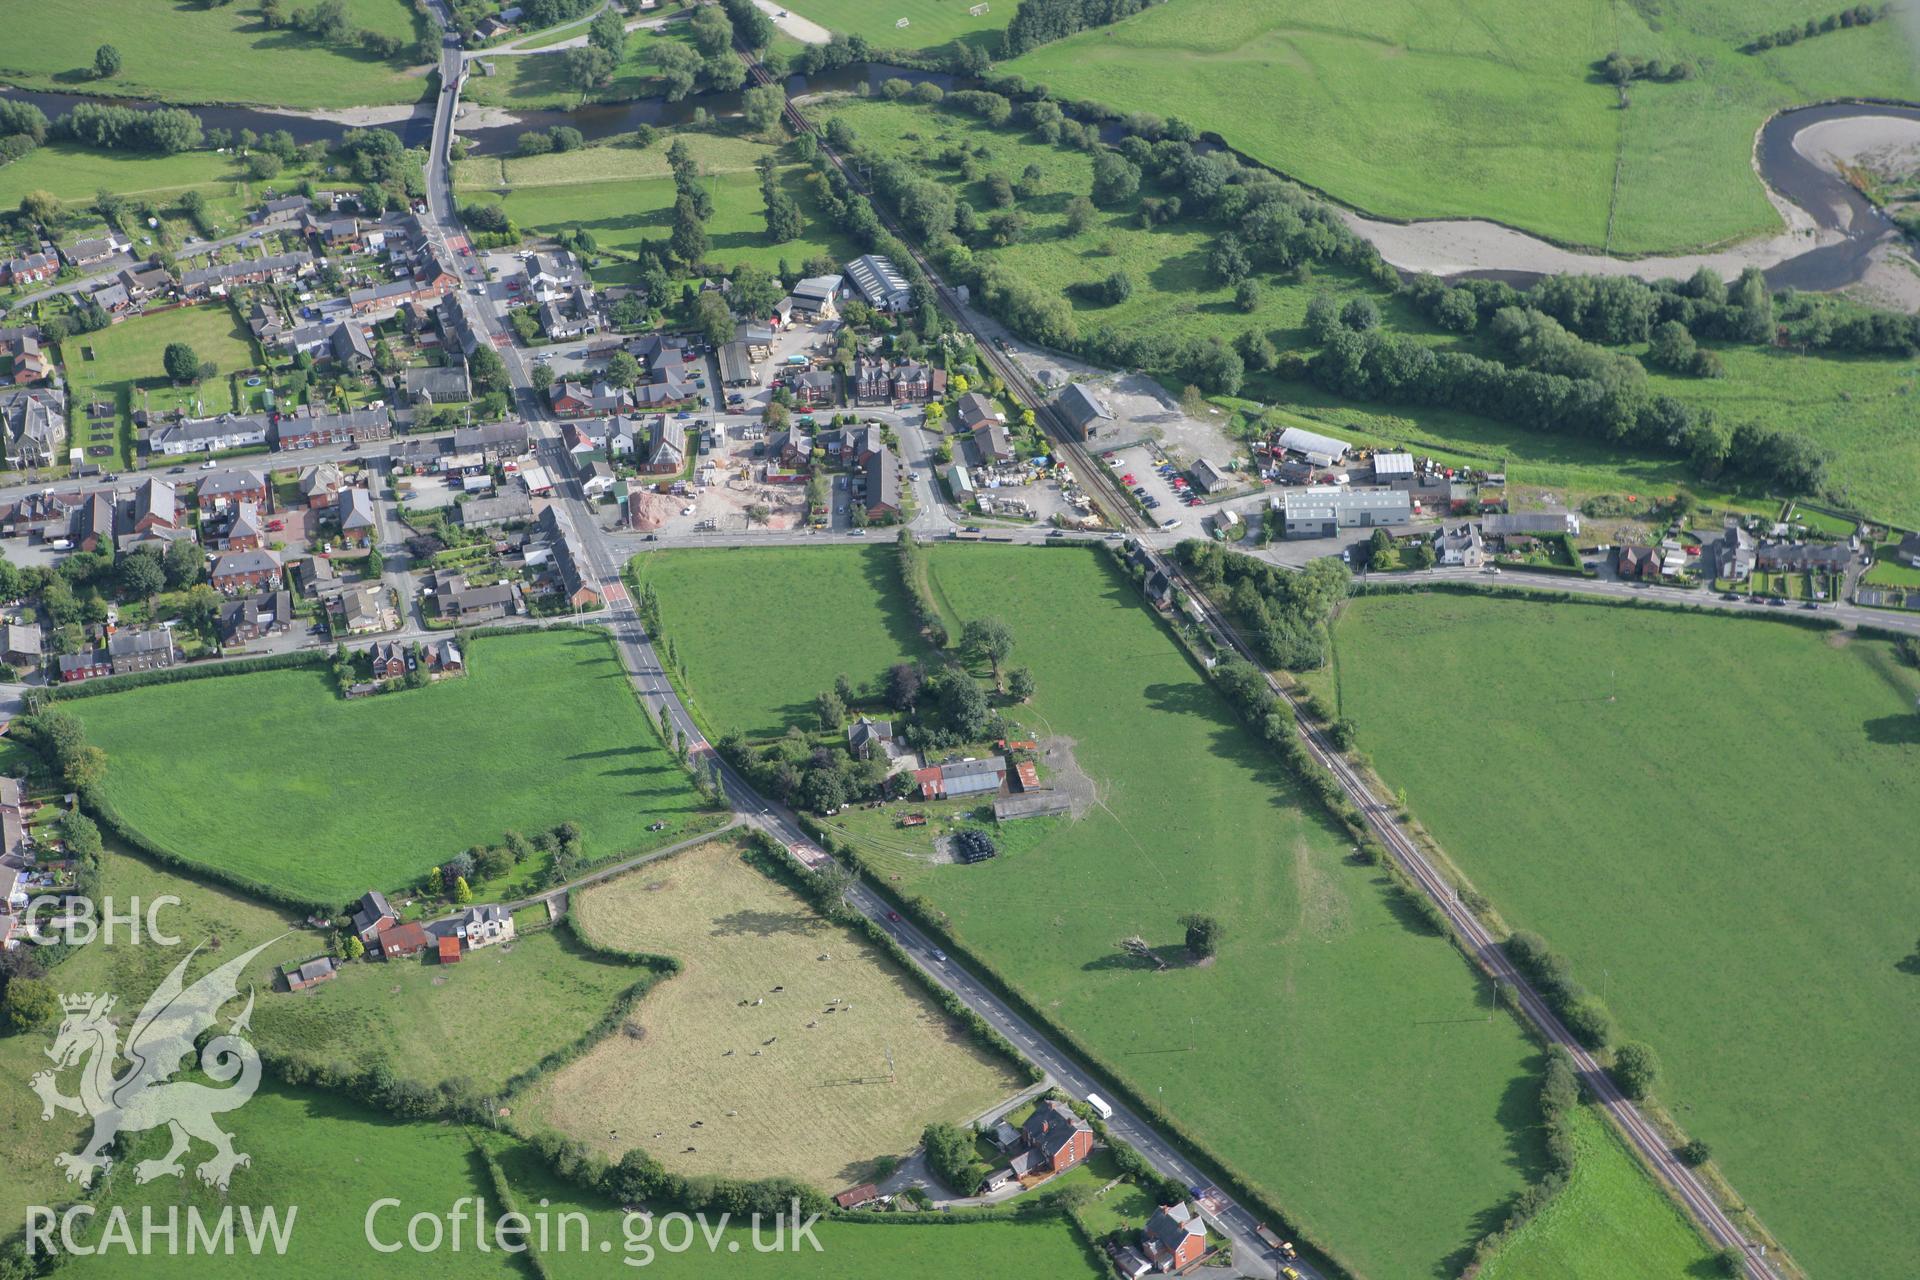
(773,1094)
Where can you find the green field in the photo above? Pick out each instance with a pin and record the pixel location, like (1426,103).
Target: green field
(708,601)
(203,53)
(527,82)
(122,366)
(271,776)
(75,174)
(743,1040)
(1609,1221)
(624,196)
(132,971)
(1492,111)
(541,993)
(929,22)
(1855,408)
(1704,815)
(332,1159)
(1330,1051)
(848,1251)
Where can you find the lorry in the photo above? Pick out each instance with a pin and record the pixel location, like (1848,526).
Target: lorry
(1100,1106)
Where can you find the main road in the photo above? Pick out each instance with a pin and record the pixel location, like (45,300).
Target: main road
(657,694)
(603,555)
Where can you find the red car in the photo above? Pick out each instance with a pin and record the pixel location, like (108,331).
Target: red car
(894,916)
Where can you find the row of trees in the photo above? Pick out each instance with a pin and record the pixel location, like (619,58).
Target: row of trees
(1859,15)
(328,22)
(115,128)
(1036,22)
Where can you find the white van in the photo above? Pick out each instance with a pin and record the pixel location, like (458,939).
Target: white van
(1099,1104)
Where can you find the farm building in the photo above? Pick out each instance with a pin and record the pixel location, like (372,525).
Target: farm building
(962,778)
(1321,451)
(310,974)
(1536,523)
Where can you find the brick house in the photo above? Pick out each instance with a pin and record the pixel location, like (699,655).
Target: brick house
(1056,1140)
(224,488)
(239,571)
(1174,1237)
(84,666)
(388,659)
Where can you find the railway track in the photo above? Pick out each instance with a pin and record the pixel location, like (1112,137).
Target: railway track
(1480,943)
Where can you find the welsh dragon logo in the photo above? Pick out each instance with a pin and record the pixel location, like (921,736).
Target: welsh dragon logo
(145,1095)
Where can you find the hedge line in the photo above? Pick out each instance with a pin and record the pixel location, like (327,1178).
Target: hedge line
(913,576)
(658,967)
(766,855)
(925,916)
(1559,1095)
(1792,618)
(509,1203)
(188,671)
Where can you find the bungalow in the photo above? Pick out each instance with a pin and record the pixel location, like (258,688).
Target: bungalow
(481,604)
(354,511)
(242,621)
(817,297)
(222,489)
(403,940)
(883,485)
(94,250)
(310,974)
(853,1198)
(85,665)
(208,435)
(319,485)
(145,282)
(507,507)
(1055,1138)
(144,650)
(373,916)
(239,571)
(1174,1237)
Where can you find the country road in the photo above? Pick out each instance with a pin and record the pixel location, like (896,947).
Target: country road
(603,555)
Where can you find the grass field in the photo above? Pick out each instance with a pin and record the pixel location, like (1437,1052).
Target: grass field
(529,82)
(929,22)
(271,776)
(1493,111)
(848,1251)
(708,601)
(1853,408)
(199,53)
(132,970)
(332,1159)
(76,174)
(122,365)
(540,993)
(624,196)
(746,1039)
(1332,1049)
(1609,1221)
(1706,821)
